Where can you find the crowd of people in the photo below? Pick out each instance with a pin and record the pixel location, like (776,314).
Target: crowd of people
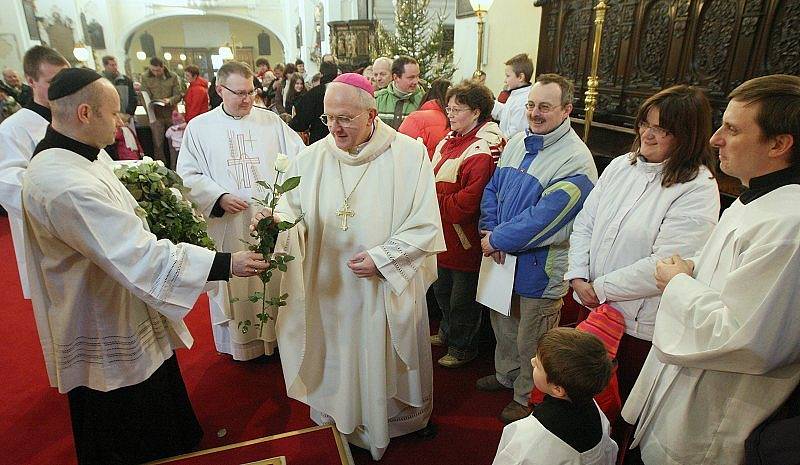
(689,353)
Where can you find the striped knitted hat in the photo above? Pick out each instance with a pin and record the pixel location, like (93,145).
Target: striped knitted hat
(608,324)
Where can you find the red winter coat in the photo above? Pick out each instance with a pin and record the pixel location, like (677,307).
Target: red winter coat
(463,166)
(429,122)
(196,98)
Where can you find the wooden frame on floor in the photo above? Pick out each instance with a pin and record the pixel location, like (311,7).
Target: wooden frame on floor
(344,456)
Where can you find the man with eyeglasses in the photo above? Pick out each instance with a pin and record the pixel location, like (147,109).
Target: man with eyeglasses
(354,336)
(309,108)
(542,179)
(225,152)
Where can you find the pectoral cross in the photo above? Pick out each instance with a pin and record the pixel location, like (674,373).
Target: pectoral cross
(343,213)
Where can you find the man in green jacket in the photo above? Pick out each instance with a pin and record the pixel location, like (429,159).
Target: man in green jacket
(403,95)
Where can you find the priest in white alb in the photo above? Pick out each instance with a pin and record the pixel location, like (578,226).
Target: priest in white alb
(108,297)
(726,351)
(224,153)
(354,336)
(19,135)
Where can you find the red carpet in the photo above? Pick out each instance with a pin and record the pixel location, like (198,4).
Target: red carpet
(248,399)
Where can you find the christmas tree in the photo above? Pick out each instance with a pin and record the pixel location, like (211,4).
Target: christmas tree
(420,36)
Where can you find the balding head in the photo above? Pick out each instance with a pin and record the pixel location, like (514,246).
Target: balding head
(11,77)
(358,98)
(382,72)
(351,112)
(89,115)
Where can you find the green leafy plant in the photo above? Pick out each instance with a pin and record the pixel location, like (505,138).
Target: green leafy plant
(266,236)
(161,196)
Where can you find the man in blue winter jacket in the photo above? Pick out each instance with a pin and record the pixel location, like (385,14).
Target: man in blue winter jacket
(539,186)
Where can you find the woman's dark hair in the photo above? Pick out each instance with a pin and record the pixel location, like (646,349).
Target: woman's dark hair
(684,111)
(437,92)
(292,94)
(291,68)
(475,96)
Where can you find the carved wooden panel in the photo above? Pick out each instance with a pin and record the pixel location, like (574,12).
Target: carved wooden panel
(651,44)
(648,45)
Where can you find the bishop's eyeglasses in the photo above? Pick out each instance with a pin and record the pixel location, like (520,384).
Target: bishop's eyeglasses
(344,121)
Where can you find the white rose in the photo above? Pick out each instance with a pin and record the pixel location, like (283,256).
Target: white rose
(159,163)
(146,159)
(281,163)
(176,193)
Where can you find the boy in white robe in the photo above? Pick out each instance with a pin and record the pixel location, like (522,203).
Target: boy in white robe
(725,351)
(225,152)
(354,336)
(567,428)
(19,135)
(108,298)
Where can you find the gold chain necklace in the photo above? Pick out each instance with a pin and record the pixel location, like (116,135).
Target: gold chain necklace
(344,212)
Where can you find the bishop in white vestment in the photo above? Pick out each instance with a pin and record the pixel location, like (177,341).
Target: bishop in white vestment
(19,135)
(726,352)
(224,153)
(354,337)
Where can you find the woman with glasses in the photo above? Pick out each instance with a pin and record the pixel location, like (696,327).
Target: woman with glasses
(429,122)
(463,163)
(658,200)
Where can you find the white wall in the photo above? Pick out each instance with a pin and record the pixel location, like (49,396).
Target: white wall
(512,27)
(14,39)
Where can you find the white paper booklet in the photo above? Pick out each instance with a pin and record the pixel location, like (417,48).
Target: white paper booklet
(496,284)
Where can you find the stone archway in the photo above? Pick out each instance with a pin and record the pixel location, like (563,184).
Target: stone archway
(198,37)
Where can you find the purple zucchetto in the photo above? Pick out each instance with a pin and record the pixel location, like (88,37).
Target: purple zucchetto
(356,80)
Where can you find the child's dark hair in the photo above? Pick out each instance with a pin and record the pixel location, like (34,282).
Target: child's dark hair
(576,361)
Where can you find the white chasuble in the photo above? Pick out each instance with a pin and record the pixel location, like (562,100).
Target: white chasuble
(357,350)
(19,135)
(528,442)
(108,297)
(221,154)
(726,352)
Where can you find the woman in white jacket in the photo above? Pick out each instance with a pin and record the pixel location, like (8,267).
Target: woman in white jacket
(661,199)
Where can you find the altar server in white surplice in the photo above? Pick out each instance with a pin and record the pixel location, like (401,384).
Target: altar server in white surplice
(354,337)
(108,297)
(726,351)
(19,135)
(224,153)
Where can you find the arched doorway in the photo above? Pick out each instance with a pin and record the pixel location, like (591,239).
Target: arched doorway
(187,39)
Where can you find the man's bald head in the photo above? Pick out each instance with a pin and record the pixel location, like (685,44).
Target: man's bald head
(382,72)
(359,99)
(90,115)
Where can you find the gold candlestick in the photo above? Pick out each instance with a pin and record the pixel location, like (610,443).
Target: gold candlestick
(592,82)
(480,14)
